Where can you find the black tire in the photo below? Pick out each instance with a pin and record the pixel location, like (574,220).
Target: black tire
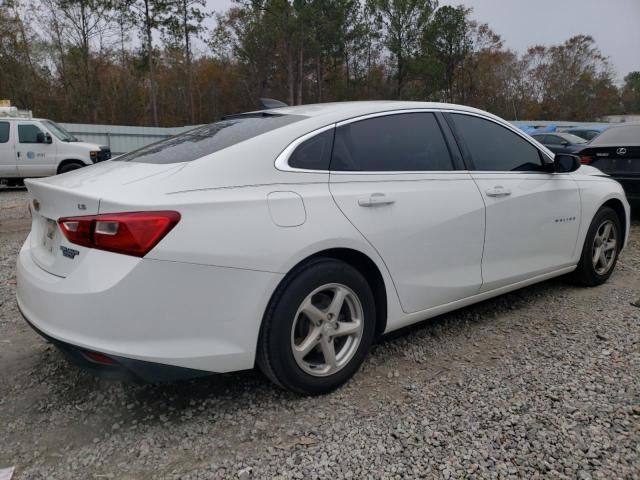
(70,166)
(275,352)
(586,274)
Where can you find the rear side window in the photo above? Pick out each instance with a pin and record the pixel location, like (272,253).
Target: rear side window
(28,133)
(4,132)
(493,147)
(403,142)
(314,153)
(208,139)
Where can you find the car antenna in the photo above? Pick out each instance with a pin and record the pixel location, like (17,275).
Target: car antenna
(267,103)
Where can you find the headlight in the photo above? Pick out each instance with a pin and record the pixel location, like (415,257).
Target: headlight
(94,155)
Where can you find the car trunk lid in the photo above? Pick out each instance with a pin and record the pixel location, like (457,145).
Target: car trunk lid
(50,250)
(79,193)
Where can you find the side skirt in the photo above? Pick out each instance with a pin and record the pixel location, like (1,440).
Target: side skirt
(448,307)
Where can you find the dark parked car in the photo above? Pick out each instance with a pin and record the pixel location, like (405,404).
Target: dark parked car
(616,151)
(559,142)
(586,133)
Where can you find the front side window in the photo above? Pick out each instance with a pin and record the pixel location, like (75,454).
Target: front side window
(207,139)
(314,153)
(554,139)
(493,147)
(4,132)
(402,142)
(28,133)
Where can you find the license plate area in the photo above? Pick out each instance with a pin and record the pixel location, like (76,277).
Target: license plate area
(50,236)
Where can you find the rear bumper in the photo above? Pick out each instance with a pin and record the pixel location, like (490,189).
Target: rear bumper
(142,311)
(119,368)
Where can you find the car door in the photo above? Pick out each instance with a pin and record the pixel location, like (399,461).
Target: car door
(393,177)
(532,215)
(8,166)
(35,158)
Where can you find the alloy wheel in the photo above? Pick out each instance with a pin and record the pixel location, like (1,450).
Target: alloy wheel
(605,247)
(327,330)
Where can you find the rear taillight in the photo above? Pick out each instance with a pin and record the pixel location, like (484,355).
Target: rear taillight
(131,233)
(586,159)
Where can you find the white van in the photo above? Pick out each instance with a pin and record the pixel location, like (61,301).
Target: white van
(35,147)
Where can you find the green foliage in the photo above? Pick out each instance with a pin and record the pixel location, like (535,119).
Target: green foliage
(134,61)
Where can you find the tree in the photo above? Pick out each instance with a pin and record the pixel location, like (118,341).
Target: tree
(631,93)
(183,23)
(403,23)
(448,41)
(80,26)
(150,15)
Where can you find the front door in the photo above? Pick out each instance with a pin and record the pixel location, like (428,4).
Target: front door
(7,154)
(393,178)
(35,157)
(532,216)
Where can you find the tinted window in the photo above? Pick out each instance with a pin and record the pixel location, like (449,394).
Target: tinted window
(540,138)
(403,142)
(493,147)
(28,133)
(626,135)
(554,139)
(4,132)
(208,139)
(313,154)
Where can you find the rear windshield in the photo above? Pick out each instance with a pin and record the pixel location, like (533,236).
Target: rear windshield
(208,139)
(625,135)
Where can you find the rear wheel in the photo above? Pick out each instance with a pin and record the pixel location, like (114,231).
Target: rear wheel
(318,328)
(600,250)
(69,166)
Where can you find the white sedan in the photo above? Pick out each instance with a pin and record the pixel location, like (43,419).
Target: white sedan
(291,238)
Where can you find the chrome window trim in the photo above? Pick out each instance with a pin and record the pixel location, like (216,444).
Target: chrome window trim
(282,160)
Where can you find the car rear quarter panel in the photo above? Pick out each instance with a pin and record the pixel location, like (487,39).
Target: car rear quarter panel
(235,228)
(595,191)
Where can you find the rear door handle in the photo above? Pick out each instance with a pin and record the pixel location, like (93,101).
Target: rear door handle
(376,199)
(498,191)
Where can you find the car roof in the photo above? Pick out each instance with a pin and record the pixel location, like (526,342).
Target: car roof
(337,111)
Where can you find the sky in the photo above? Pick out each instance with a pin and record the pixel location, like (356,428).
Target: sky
(614,24)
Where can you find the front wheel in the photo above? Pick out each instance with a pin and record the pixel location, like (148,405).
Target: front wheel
(600,250)
(318,327)
(70,166)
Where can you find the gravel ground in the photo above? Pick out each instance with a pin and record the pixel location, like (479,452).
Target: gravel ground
(542,382)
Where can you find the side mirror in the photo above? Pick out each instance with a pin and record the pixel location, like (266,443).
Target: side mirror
(43,138)
(564,143)
(565,163)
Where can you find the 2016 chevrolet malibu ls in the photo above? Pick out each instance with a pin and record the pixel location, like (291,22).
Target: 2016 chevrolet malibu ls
(291,238)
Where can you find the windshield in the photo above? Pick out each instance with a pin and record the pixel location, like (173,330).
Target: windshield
(208,139)
(625,135)
(59,131)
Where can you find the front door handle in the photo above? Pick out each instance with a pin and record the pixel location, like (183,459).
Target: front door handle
(498,191)
(376,199)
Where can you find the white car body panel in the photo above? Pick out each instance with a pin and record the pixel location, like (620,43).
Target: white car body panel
(198,298)
(435,254)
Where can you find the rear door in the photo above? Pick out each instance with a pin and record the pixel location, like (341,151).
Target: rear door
(393,177)
(8,166)
(533,216)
